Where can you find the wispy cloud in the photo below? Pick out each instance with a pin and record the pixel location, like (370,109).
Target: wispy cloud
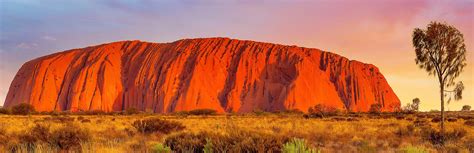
(50,38)
(24,45)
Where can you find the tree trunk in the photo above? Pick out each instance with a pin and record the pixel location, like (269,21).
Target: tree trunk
(442,107)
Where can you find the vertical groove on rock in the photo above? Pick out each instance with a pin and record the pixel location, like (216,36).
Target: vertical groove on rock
(231,76)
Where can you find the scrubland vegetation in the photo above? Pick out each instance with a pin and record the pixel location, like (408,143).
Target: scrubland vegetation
(204,131)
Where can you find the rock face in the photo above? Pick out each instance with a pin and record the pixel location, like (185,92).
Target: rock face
(217,73)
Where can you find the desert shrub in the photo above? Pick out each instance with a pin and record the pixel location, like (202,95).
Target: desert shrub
(421,123)
(456,134)
(437,138)
(469,143)
(92,112)
(203,112)
(250,141)
(452,119)
(409,130)
(3,135)
(338,119)
(259,112)
(69,137)
(291,111)
(413,149)
(306,116)
(112,133)
(321,111)
(22,109)
(433,136)
(466,117)
(352,119)
(238,141)
(188,142)
(63,119)
(469,122)
(148,126)
(131,111)
(181,114)
(411,108)
(4,110)
(85,121)
(436,120)
(80,118)
(297,145)
(362,145)
(41,132)
(138,144)
(421,116)
(355,114)
(375,108)
(160,148)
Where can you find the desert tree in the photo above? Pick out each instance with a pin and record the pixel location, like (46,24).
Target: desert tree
(440,50)
(375,108)
(466,108)
(415,105)
(412,107)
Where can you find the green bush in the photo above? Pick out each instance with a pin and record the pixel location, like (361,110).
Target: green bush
(160,148)
(154,125)
(208,147)
(22,109)
(297,145)
(413,149)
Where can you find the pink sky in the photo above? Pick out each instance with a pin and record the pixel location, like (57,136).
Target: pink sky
(376,32)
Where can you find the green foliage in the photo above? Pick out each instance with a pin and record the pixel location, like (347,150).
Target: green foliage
(208,146)
(466,108)
(160,148)
(440,51)
(22,109)
(413,149)
(148,126)
(297,146)
(413,107)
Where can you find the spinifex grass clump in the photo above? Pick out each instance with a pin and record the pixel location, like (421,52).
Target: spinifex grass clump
(156,125)
(238,141)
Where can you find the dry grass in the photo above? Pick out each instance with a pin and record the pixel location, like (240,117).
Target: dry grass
(348,132)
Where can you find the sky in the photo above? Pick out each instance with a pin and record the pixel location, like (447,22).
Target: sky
(372,31)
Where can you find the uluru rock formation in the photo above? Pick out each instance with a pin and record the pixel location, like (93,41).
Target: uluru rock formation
(217,73)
